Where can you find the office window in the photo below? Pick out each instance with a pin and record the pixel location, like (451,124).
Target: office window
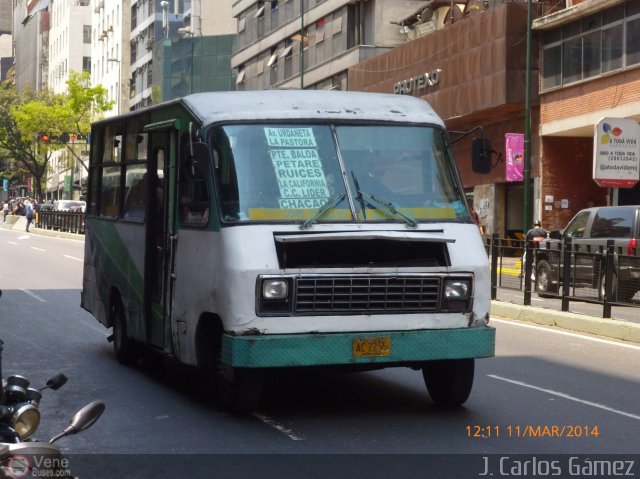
(612,48)
(337,25)
(320,30)
(240,77)
(572,60)
(591,54)
(552,67)
(86,34)
(633,42)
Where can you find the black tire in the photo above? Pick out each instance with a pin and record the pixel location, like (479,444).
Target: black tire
(623,293)
(240,389)
(544,285)
(124,347)
(449,382)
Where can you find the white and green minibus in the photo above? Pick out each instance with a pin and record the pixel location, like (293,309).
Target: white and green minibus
(242,232)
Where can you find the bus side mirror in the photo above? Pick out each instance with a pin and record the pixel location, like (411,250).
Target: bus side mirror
(198,163)
(481,155)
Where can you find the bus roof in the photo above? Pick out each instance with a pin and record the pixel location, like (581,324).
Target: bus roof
(309,104)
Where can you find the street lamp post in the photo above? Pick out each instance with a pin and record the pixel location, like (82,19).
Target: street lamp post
(118,83)
(301,44)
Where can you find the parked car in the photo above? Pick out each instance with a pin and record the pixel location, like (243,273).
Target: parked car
(69,205)
(590,230)
(44,207)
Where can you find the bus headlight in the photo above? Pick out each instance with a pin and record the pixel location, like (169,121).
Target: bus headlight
(275,289)
(457,294)
(456,289)
(273,296)
(25,420)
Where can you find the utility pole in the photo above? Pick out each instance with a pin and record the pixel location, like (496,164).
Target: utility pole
(527,129)
(301,44)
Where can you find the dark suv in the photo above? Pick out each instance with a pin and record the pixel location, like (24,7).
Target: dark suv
(589,230)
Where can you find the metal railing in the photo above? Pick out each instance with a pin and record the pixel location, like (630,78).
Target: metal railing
(606,275)
(65,221)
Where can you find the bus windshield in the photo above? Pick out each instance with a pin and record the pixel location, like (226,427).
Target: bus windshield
(275,172)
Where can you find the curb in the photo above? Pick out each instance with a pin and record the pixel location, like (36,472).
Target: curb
(20,224)
(610,328)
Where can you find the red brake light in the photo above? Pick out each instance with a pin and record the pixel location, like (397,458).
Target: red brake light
(633,242)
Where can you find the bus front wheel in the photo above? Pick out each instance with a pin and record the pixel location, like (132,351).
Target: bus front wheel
(449,382)
(239,389)
(124,348)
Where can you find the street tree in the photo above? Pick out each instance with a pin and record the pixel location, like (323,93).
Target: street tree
(22,152)
(39,120)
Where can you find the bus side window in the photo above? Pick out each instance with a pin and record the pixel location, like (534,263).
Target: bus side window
(194,189)
(135,190)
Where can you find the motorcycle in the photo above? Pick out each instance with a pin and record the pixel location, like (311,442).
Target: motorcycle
(19,420)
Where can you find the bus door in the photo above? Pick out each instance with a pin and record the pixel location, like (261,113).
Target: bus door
(159,230)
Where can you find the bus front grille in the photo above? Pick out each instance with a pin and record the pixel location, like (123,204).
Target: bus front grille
(364,294)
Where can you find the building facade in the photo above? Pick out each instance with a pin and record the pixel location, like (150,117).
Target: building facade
(197,57)
(110,51)
(590,70)
(69,50)
(469,64)
(152,22)
(311,43)
(31,41)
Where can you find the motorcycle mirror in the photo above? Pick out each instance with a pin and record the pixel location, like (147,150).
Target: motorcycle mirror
(83,419)
(56,382)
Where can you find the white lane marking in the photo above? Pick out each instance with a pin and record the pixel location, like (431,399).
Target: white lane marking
(37,249)
(566,396)
(23,237)
(12,242)
(553,329)
(33,295)
(283,429)
(71,257)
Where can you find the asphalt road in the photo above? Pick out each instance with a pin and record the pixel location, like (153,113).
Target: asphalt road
(546,392)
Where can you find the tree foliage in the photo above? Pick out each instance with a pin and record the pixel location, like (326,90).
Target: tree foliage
(27,113)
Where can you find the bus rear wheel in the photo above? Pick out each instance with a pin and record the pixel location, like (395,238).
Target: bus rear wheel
(449,382)
(124,347)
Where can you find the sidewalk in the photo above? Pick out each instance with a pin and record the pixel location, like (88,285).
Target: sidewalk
(609,328)
(19,223)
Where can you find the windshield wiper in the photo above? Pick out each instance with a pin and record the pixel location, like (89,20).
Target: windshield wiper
(392,209)
(329,205)
(360,197)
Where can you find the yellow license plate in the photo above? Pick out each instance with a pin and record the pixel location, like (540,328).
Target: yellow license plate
(371,347)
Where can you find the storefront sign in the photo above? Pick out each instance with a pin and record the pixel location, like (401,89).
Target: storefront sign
(616,152)
(514,146)
(413,85)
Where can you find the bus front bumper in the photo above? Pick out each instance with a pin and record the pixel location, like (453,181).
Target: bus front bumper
(380,347)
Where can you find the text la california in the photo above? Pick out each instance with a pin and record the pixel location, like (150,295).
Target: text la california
(566,466)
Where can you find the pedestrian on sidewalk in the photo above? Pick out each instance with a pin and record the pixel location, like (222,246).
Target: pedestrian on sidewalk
(28,212)
(5,210)
(536,234)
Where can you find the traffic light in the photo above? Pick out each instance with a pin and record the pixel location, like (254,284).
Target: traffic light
(44,137)
(64,138)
